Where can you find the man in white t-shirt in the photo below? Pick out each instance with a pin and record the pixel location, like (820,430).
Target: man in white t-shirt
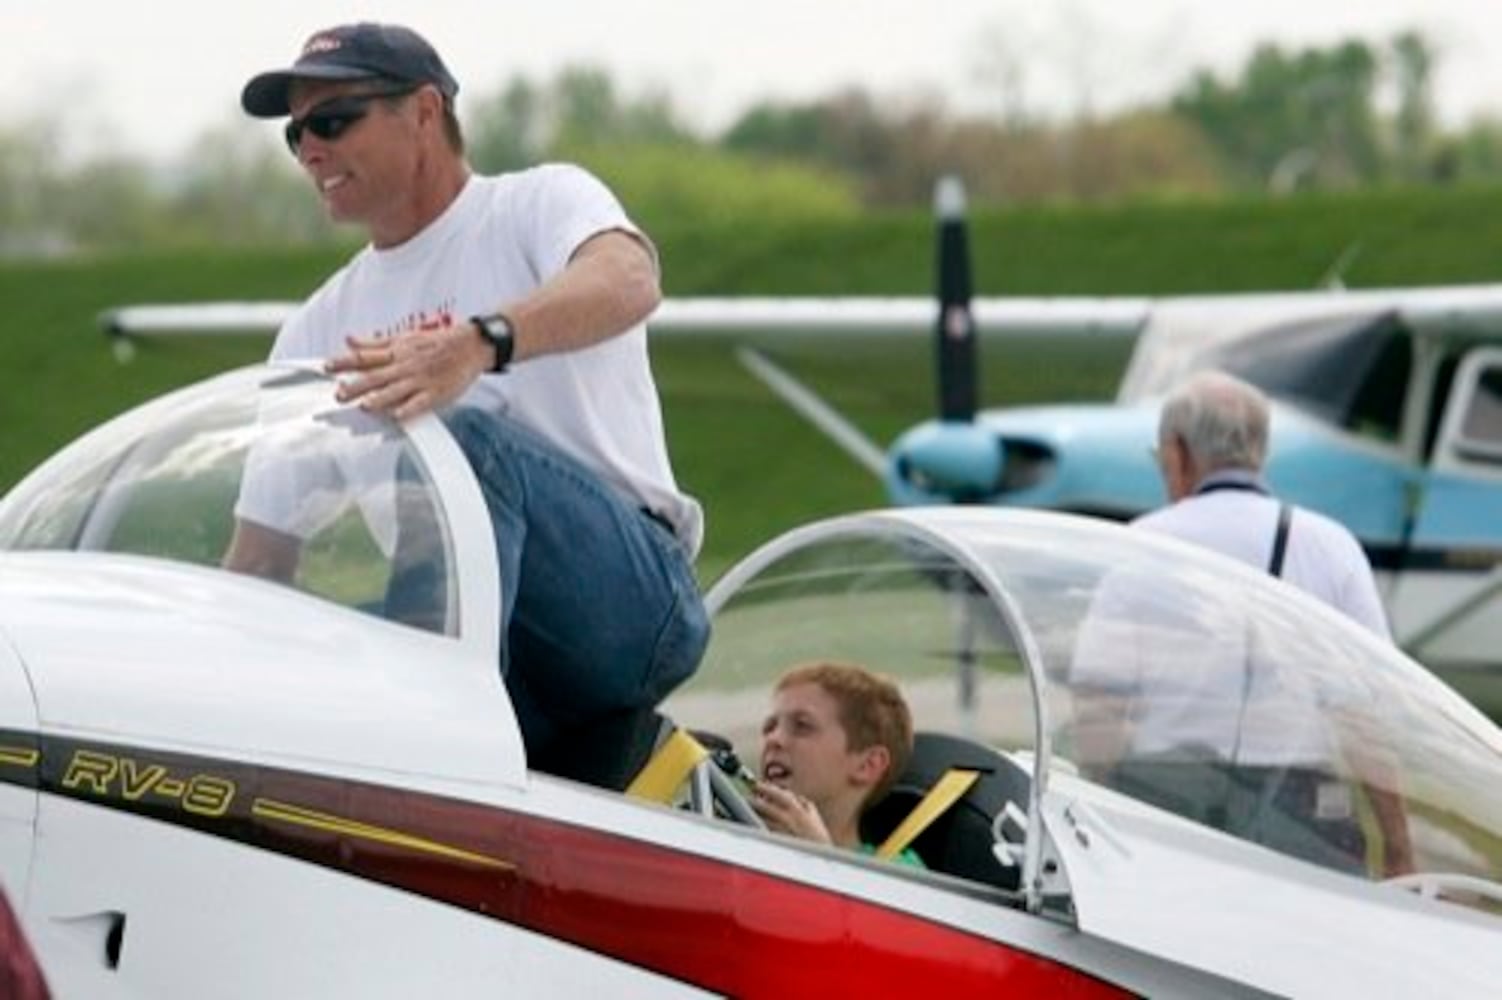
(1216,696)
(514,305)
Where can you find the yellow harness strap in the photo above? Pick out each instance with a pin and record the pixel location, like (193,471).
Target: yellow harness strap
(946,792)
(669,767)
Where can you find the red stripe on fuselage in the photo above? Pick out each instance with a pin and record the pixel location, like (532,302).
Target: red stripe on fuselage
(707,922)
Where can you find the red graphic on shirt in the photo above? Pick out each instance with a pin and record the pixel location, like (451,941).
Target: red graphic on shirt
(422,321)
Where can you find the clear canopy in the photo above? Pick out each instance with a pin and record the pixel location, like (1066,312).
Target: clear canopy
(269,447)
(1161,671)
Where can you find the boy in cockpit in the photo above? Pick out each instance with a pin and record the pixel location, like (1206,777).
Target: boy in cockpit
(834,742)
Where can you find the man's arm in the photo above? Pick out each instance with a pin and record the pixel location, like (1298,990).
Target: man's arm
(1376,772)
(258,550)
(610,285)
(1392,820)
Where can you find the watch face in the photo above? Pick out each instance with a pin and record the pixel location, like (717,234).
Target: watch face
(497,330)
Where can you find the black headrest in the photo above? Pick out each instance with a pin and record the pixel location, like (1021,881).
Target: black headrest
(958,842)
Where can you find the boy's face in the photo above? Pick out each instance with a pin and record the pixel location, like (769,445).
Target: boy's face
(804,748)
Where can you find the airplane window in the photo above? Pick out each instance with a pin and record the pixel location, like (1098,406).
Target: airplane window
(1377,409)
(1349,370)
(1481,428)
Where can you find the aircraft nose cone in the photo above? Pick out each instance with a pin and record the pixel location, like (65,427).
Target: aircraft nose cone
(950,460)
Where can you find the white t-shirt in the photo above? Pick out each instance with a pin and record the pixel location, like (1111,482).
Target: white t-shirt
(1320,557)
(500,239)
(1194,668)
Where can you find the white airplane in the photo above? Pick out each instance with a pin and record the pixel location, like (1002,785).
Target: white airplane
(216,785)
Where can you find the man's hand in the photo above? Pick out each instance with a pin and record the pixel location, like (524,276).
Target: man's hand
(411,373)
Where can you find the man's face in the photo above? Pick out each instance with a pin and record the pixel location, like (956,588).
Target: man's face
(804,748)
(366,167)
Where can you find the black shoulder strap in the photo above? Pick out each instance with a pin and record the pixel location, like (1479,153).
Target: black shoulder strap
(1280,540)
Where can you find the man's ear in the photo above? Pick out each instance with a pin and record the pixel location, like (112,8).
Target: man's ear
(430,105)
(871,765)
(1182,475)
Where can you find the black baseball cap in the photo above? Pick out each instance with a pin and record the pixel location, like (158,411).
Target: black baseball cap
(351,52)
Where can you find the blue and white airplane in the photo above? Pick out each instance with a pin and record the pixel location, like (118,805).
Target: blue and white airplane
(1387,416)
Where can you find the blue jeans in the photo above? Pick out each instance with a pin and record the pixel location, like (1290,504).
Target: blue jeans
(600,611)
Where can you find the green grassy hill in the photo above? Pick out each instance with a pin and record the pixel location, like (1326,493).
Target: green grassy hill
(756,466)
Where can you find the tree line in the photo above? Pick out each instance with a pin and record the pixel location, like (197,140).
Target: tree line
(1347,116)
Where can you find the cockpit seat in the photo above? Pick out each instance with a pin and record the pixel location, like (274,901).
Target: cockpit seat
(959,841)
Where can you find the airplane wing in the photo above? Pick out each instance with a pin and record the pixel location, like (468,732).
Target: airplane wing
(709,315)
(199,318)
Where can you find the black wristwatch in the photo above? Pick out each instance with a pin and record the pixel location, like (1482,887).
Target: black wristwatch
(496,329)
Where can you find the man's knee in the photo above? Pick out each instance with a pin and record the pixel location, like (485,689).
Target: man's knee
(480,431)
(486,439)
(468,424)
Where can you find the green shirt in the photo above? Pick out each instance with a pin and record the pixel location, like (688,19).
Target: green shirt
(906,856)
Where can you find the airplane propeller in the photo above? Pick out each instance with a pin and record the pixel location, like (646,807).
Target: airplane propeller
(955,356)
(951,458)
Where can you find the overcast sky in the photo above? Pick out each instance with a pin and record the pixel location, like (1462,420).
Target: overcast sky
(152,75)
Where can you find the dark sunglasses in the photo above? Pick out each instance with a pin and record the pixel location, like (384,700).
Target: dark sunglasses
(333,117)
